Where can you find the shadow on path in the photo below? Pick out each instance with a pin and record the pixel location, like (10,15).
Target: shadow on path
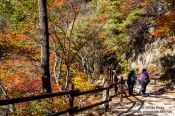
(160,91)
(132,106)
(129,111)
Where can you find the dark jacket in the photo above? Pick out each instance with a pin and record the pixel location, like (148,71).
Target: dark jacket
(129,81)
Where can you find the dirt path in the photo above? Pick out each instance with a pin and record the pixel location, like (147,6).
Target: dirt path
(158,102)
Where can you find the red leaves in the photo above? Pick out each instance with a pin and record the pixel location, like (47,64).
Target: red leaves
(29,86)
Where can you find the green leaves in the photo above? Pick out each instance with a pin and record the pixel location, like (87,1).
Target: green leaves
(19,14)
(6,8)
(129,19)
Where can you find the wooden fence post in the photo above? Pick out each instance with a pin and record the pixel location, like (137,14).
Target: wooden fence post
(110,75)
(121,89)
(115,86)
(107,95)
(71,100)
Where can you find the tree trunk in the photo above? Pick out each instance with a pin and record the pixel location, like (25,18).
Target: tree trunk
(55,67)
(67,78)
(59,67)
(43,22)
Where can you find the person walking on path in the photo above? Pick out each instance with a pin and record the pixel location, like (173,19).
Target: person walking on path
(144,80)
(131,81)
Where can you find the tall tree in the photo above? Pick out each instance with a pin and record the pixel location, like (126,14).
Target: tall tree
(43,22)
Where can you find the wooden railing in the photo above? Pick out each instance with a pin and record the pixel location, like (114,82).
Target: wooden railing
(118,87)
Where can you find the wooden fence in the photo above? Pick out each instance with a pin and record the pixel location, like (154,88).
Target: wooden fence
(117,86)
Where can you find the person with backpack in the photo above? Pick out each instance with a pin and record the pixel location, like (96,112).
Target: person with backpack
(131,81)
(144,80)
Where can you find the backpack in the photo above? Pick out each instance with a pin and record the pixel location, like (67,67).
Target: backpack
(133,78)
(145,79)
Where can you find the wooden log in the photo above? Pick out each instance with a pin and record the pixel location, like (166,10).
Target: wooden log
(92,91)
(31,98)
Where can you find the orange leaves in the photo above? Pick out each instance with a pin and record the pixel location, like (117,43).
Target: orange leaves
(104,5)
(20,36)
(165,24)
(159,32)
(103,16)
(10,36)
(166,20)
(56,3)
(145,2)
(11,79)
(59,2)
(128,6)
(16,70)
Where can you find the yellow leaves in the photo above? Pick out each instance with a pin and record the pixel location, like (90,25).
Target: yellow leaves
(102,35)
(145,2)
(2,73)
(58,103)
(104,5)
(80,81)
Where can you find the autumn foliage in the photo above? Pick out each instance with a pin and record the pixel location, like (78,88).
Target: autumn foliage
(165,25)
(84,36)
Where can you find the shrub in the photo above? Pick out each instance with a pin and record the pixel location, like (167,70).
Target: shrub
(81,82)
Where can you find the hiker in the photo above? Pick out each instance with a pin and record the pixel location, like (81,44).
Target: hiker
(131,81)
(144,80)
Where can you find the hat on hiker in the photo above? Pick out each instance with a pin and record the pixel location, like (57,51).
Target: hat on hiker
(144,70)
(132,69)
